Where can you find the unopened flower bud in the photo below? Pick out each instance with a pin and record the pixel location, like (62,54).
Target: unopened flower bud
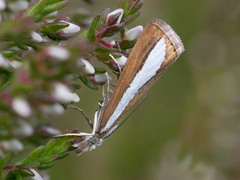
(15,64)
(52,109)
(2,5)
(3,62)
(71,29)
(64,94)
(114,17)
(12,145)
(86,66)
(36,37)
(47,130)
(122,60)
(17,6)
(133,34)
(23,129)
(36,176)
(21,107)
(58,52)
(100,78)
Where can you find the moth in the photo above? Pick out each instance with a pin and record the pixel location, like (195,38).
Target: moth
(157,48)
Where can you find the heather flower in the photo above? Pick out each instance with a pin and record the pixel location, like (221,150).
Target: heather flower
(86,66)
(64,94)
(21,107)
(133,34)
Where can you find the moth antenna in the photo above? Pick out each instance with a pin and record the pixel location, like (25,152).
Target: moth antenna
(83,113)
(103,92)
(134,109)
(108,85)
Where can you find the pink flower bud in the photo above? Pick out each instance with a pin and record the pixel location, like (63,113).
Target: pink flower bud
(64,94)
(71,29)
(114,17)
(133,34)
(21,107)
(36,37)
(86,66)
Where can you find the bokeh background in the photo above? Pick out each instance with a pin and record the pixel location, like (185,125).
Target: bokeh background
(189,125)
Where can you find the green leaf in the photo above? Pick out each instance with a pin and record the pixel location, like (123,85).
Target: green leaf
(93,28)
(5,78)
(75,86)
(14,175)
(24,88)
(53,27)
(89,1)
(45,7)
(16,30)
(44,156)
(133,17)
(3,162)
(45,166)
(88,83)
(100,71)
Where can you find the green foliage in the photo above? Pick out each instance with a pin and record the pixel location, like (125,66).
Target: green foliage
(44,7)
(3,162)
(42,55)
(93,28)
(88,83)
(44,156)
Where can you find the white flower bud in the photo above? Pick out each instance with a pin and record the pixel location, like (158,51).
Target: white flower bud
(21,107)
(2,5)
(15,64)
(36,37)
(47,39)
(71,29)
(113,43)
(53,109)
(86,66)
(50,130)
(62,93)
(36,176)
(122,60)
(133,33)
(12,145)
(100,78)
(58,52)
(115,12)
(3,62)
(52,14)
(23,129)
(18,5)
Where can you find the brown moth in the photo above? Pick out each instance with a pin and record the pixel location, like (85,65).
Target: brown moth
(157,48)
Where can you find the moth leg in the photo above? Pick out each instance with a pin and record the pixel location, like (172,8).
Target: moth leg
(83,113)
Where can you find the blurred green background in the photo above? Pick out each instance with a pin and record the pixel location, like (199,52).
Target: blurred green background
(188,127)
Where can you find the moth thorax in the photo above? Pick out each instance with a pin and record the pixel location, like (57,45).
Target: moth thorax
(94,140)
